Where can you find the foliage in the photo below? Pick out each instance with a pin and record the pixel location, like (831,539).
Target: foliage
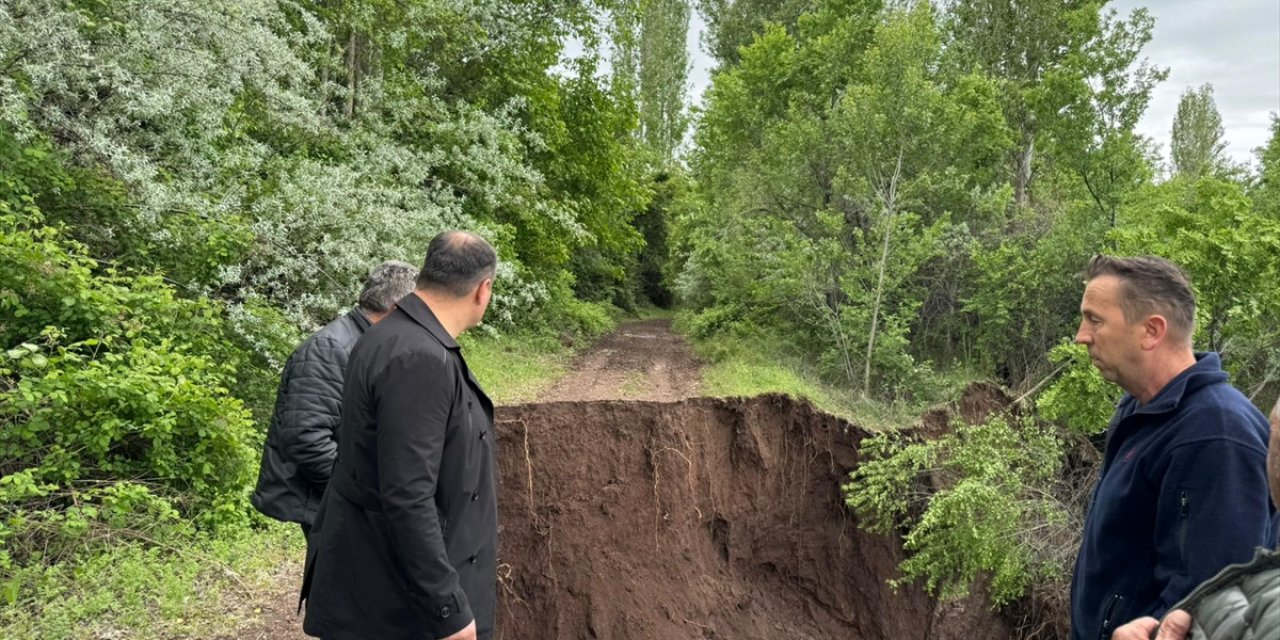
(974,505)
(116,419)
(1080,399)
(109,376)
(1026,291)
(1231,251)
(1265,191)
(733,24)
(887,190)
(651,64)
(749,363)
(1071,84)
(1196,144)
(896,189)
(273,154)
(817,182)
(186,189)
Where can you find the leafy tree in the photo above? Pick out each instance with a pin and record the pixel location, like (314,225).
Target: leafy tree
(115,408)
(654,223)
(186,186)
(732,24)
(1067,70)
(822,174)
(1231,251)
(664,73)
(1265,190)
(270,152)
(901,127)
(1026,294)
(1196,144)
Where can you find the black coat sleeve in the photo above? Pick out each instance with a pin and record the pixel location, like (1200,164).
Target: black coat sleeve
(313,408)
(415,395)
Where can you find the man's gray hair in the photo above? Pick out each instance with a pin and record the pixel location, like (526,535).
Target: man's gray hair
(387,283)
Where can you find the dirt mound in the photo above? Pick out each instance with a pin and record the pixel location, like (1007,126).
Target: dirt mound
(698,519)
(979,402)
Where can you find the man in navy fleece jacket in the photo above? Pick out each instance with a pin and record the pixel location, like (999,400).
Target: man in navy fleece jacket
(1183,489)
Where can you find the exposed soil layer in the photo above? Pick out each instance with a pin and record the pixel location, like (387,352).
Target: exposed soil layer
(703,518)
(698,519)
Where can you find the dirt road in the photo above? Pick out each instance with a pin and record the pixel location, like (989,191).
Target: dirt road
(642,360)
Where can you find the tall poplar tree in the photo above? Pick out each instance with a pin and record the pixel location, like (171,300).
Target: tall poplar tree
(1196,144)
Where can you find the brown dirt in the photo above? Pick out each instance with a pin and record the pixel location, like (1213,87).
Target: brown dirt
(698,519)
(269,613)
(979,402)
(642,360)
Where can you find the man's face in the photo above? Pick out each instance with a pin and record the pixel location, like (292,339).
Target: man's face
(1273,456)
(1115,346)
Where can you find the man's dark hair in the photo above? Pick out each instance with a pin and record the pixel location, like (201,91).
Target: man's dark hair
(457,261)
(386,284)
(1150,285)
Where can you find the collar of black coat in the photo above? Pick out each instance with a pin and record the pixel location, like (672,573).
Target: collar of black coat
(362,321)
(422,314)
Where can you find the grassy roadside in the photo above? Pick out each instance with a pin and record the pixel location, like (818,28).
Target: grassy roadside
(737,367)
(515,369)
(182,587)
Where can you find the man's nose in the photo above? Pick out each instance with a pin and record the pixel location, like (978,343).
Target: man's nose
(1082,336)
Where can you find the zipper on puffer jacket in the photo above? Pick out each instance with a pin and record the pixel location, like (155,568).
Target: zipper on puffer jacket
(1108,616)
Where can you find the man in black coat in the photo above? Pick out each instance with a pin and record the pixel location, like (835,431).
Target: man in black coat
(298,455)
(405,544)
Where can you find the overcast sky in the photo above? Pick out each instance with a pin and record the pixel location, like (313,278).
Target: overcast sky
(1234,44)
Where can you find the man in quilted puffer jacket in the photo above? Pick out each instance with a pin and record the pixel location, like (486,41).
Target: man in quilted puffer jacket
(298,455)
(1240,603)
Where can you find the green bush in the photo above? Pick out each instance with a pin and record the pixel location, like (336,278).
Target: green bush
(587,318)
(976,505)
(115,409)
(1079,399)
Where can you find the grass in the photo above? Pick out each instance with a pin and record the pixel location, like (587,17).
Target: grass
(514,369)
(751,368)
(634,385)
(184,589)
(651,313)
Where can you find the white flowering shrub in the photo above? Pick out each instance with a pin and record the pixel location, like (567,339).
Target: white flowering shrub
(245,182)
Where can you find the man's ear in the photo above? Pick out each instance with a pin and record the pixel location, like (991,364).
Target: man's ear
(485,289)
(1155,330)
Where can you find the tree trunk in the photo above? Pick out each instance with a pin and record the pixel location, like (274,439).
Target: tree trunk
(353,73)
(830,310)
(890,206)
(1022,182)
